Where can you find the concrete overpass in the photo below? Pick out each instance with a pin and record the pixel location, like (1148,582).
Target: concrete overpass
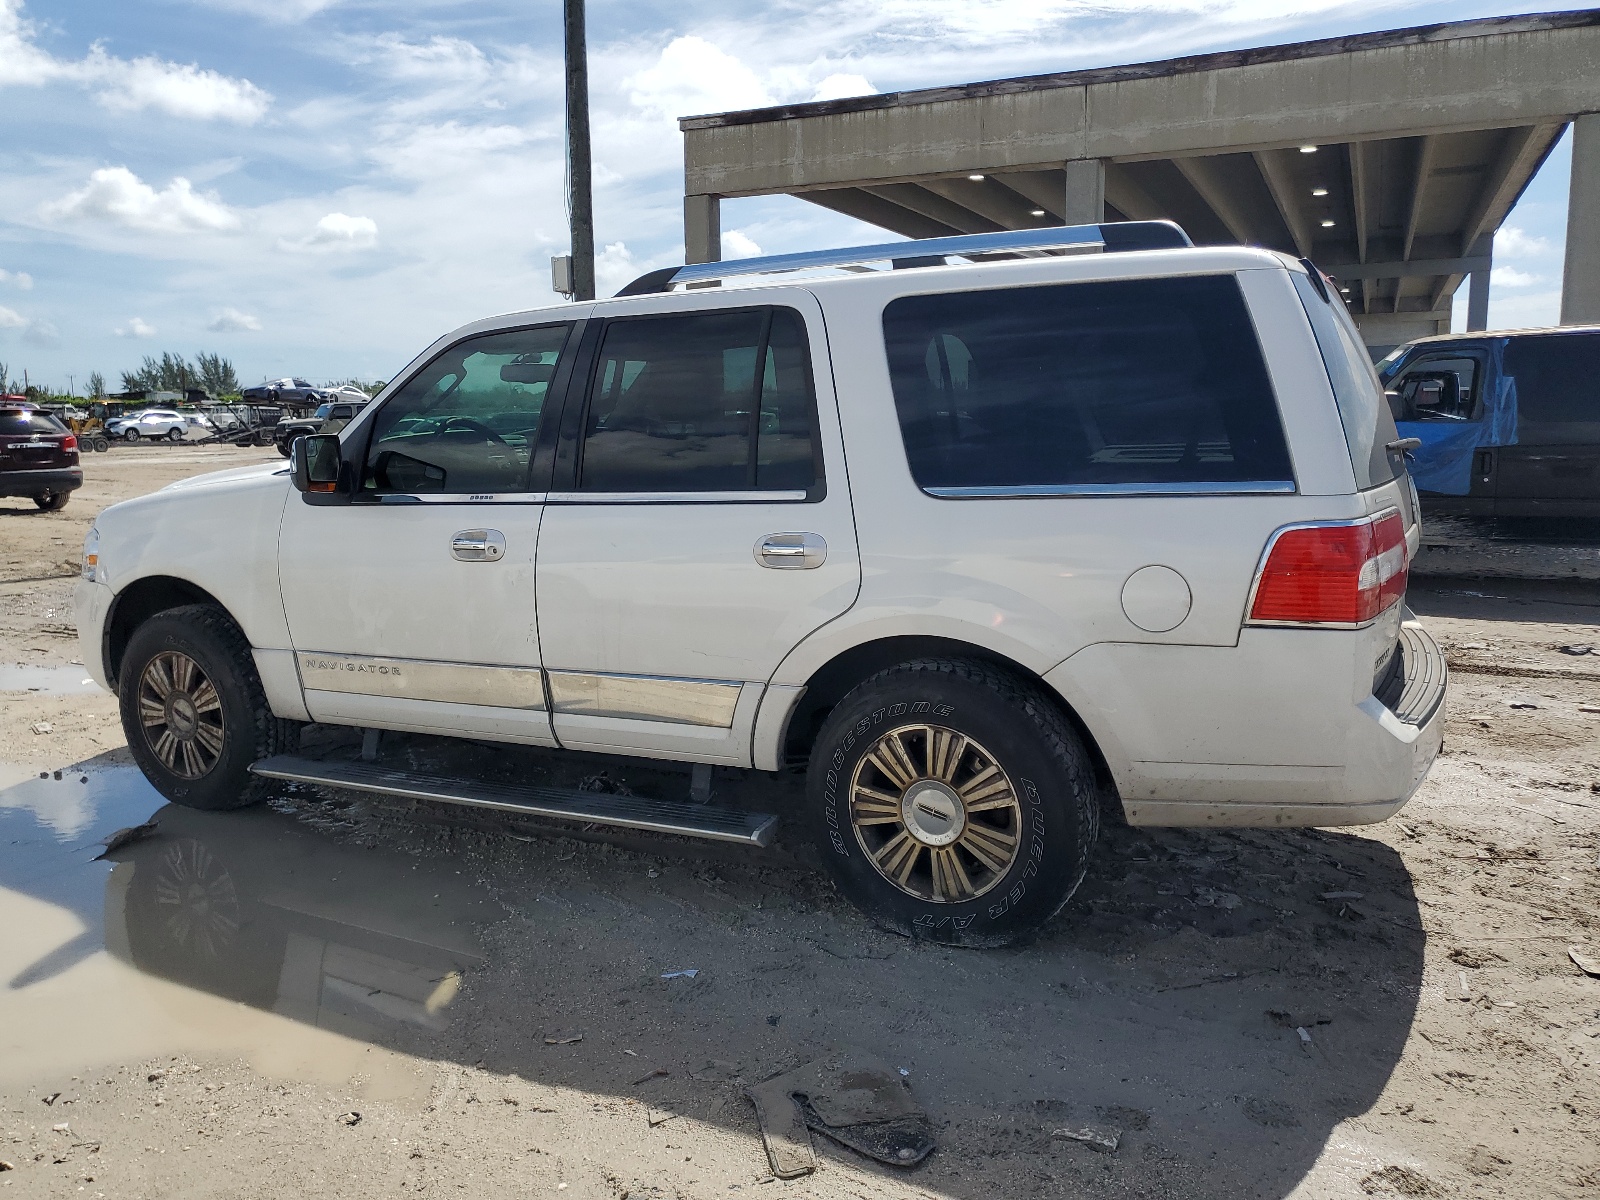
(1390,159)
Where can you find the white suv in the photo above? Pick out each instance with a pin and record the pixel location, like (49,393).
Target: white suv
(150,423)
(976,544)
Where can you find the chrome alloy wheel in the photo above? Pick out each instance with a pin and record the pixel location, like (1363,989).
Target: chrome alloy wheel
(181,714)
(925,788)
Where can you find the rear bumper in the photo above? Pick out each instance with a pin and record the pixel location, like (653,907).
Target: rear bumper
(31,483)
(1265,733)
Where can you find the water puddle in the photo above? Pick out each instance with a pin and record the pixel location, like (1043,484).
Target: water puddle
(245,932)
(57,681)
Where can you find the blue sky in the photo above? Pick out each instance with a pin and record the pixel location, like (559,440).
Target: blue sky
(321,187)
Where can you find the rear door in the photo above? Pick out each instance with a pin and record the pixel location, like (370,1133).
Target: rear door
(1439,398)
(1553,467)
(699,525)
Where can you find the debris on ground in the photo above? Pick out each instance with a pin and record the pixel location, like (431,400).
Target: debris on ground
(656,1074)
(562,1039)
(126,837)
(1211,898)
(349,1118)
(602,782)
(1583,648)
(853,1099)
(1521,704)
(1402,1181)
(689,973)
(660,1116)
(1342,895)
(42,727)
(1584,962)
(1104,1140)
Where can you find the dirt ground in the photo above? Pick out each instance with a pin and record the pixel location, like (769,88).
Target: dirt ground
(337,997)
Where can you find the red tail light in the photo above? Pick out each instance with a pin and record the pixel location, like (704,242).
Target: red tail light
(1337,573)
(70,442)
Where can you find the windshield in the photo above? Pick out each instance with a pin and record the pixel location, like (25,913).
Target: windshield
(323,410)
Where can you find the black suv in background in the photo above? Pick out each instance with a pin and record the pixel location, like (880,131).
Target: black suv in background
(38,456)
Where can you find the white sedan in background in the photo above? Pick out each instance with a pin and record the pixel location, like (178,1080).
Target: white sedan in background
(148,423)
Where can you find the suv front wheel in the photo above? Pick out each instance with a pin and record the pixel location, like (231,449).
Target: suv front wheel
(194,711)
(953,802)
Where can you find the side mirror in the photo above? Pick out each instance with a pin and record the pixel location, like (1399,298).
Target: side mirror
(318,470)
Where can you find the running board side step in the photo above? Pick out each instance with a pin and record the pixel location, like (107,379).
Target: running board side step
(566,804)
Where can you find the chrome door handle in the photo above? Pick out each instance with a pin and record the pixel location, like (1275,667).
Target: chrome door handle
(791,551)
(479,545)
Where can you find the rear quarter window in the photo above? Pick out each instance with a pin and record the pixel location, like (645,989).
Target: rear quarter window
(1363,411)
(1139,384)
(1558,388)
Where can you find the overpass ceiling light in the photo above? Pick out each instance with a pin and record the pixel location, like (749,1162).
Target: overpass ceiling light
(1308,149)
(1327,224)
(1038,212)
(975,178)
(1319,191)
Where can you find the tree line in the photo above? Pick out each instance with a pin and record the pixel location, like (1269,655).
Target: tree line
(211,373)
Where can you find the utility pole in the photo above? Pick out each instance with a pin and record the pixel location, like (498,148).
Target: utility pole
(580,195)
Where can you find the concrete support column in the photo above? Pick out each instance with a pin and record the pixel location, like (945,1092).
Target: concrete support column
(1086,191)
(1478,300)
(702,229)
(1580,285)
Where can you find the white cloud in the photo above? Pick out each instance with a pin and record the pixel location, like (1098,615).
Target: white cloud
(10,318)
(117,195)
(135,328)
(336,231)
(1511,277)
(738,244)
(286,12)
(693,76)
(231,320)
(17,279)
(837,87)
(614,268)
(42,333)
(178,89)
(1511,242)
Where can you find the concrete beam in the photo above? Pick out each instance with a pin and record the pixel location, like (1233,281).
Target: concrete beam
(1419,188)
(875,210)
(1475,75)
(988,199)
(1125,195)
(1580,282)
(1407,270)
(1289,207)
(1085,200)
(1359,210)
(1520,154)
(702,229)
(1201,174)
(935,206)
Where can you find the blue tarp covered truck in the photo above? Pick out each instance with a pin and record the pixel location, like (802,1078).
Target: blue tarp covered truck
(1509,422)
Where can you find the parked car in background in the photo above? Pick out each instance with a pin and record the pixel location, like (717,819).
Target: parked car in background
(1509,422)
(148,423)
(981,546)
(348,392)
(38,456)
(329,418)
(292,391)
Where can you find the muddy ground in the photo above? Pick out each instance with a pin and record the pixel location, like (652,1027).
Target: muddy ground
(337,997)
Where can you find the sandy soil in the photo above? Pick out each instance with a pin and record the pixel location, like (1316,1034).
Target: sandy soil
(334,997)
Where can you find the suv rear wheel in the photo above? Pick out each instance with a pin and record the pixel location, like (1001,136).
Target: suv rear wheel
(130,435)
(953,802)
(194,711)
(52,501)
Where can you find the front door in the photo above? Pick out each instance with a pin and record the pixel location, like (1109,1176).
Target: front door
(413,607)
(699,524)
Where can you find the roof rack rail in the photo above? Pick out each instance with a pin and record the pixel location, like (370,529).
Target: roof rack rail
(1111,236)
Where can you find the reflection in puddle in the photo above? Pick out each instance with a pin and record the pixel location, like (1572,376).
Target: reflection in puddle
(58,681)
(251,907)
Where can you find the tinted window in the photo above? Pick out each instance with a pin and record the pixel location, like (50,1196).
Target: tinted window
(468,421)
(1368,423)
(26,424)
(1558,388)
(1129,382)
(703,402)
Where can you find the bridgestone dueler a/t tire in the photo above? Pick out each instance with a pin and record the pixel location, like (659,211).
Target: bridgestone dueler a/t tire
(250,732)
(1033,743)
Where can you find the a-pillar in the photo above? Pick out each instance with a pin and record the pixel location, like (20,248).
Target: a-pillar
(1086,191)
(702,229)
(1478,287)
(1580,285)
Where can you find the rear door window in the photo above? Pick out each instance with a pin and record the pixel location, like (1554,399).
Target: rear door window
(1363,411)
(1439,387)
(1558,388)
(702,402)
(1141,384)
